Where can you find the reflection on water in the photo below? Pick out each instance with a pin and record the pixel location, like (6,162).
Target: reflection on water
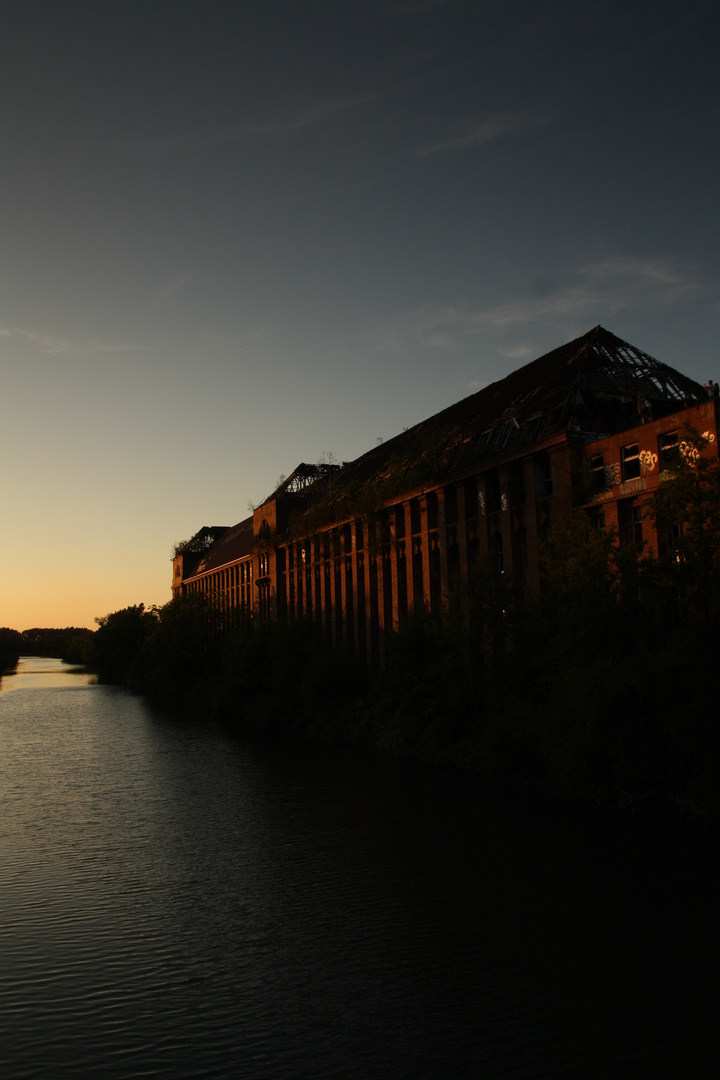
(177,904)
(40,672)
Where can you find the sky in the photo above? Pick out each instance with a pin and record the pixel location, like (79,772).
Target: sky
(238,236)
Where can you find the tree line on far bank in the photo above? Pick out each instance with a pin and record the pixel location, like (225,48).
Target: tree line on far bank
(70,644)
(599,688)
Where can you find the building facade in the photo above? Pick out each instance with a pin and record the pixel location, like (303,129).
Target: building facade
(590,428)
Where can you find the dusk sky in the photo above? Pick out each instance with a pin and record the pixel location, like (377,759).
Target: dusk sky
(237,236)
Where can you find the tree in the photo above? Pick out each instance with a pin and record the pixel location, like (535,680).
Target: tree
(10,648)
(686,510)
(119,644)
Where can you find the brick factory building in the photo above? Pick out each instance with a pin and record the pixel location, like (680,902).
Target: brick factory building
(588,428)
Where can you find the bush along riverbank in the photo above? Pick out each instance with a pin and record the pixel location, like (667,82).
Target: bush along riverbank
(70,644)
(10,648)
(600,689)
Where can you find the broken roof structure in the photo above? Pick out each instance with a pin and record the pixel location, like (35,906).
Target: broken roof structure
(589,388)
(586,428)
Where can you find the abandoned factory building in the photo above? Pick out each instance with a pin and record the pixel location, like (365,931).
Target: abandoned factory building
(588,428)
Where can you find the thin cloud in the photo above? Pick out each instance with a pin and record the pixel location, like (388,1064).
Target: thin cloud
(614,284)
(495,127)
(518,352)
(639,272)
(168,291)
(54,346)
(237,133)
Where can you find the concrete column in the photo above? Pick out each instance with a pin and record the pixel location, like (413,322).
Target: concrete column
(309,582)
(482,518)
(442,540)
(353,553)
(377,572)
(505,523)
(394,574)
(530,522)
(461,532)
(366,613)
(366,573)
(425,549)
(408,559)
(338,571)
(328,567)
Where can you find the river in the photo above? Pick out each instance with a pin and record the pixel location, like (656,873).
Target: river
(178,903)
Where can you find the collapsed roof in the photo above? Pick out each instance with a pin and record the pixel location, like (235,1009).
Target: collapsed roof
(217,546)
(591,387)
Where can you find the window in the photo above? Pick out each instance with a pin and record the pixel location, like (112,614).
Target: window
(520,553)
(630,520)
(630,456)
(451,505)
(596,465)
(492,491)
(415,516)
(432,510)
(471,498)
(543,475)
(668,450)
(516,483)
(496,554)
(669,534)
(598,522)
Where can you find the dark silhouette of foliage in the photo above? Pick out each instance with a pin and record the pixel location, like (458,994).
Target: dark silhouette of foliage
(686,508)
(10,648)
(70,643)
(586,690)
(118,653)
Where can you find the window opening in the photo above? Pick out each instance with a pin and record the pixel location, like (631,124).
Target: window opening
(668,450)
(596,464)
(630,456)
(543,476)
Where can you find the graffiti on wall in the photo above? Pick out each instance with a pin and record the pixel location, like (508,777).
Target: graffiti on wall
(691,452)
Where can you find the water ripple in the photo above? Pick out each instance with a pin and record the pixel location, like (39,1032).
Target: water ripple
(176,905)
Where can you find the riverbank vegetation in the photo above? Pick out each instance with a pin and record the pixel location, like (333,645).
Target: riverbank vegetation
(70,644)
(601,687)
(10,648)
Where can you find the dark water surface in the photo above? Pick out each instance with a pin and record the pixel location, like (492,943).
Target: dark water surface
(174,903)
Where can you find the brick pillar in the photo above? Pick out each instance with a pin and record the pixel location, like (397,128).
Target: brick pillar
(482,518)
(343,588)
(354,563)
(329,598)
(380,566)
(442,540)
(306,564)
(425,548)
(530,521)
(366,575)
(408,558)
(505,523)
(394,576)
(462,531)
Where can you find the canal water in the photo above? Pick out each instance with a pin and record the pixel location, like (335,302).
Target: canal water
(177,903)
